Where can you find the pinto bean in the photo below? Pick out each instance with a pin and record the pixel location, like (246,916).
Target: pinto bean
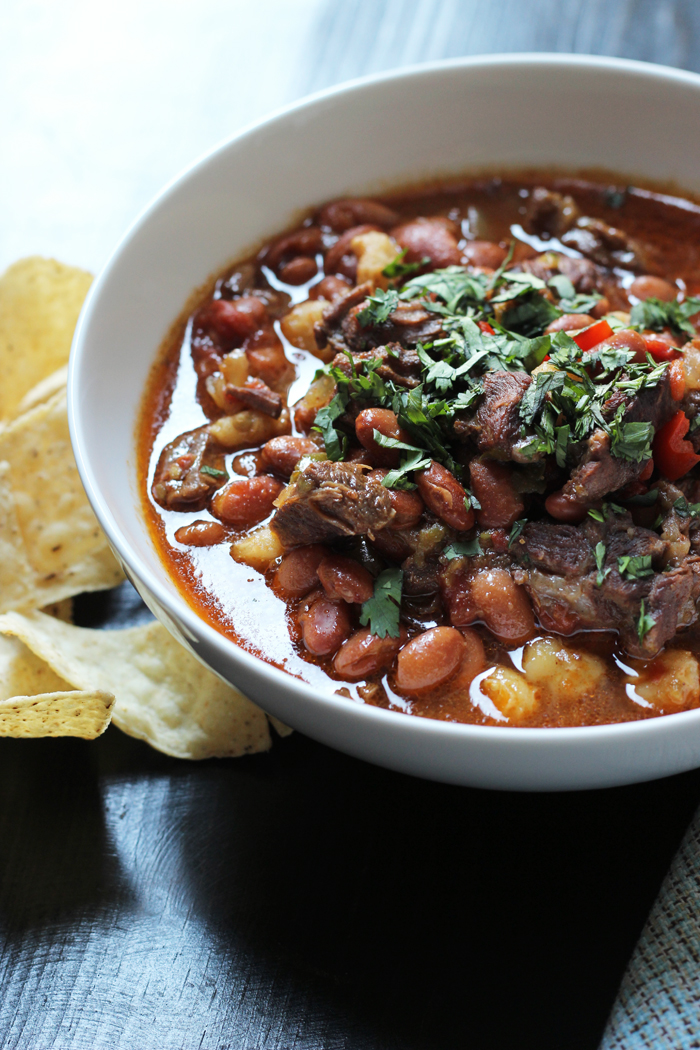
(233,321)
(324,626)
(304,242)
(601,308)
(429,660)
(504,606)
(268,361)
(492,484)
(385,421)
(249,464)
(281,454)
(483,253)
(569,323)
(650,287)
(444,495)
(330,288)
(408,506)
(345,580)
(299,270)
(341,258)
(201,534)
(365,653)
(343,214)
(245,502)
(563,508)
(429,238)
(298,571)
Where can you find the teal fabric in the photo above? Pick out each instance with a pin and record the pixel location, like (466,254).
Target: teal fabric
(658,1004)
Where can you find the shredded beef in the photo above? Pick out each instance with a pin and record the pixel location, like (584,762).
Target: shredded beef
(179,482)
(559,573)
(548,213)
(606,245)
(399,364)
(409,324)
(496,425)
(330,500)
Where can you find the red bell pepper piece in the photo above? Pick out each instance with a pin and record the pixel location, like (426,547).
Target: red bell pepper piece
(659,349)
(486,327)
(594,334)
(672,454)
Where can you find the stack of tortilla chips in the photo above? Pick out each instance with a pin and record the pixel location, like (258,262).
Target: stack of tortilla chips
(57,679)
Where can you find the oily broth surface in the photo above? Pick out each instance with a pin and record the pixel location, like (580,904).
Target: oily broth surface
(237,601)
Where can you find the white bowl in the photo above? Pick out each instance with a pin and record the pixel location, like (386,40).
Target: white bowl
(493,112)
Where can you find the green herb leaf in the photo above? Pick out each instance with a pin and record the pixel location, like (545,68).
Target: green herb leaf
(685,509)
(600,561)
(213,472)
(562,286)
(463,549)
(382,611)
(516,531)
(560,449)
(631,441)
(398,268)
(378,308)
(636,568)
(595,514)
(644,624)
(398,479)
(335,441)
(657,314)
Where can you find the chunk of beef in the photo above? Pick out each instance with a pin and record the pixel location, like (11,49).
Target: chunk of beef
(606,245)
(189,470)
(256,394)
(549,214)
(560,549)
(600,472)
(398,363)
(496,425)
(691,406)
(569,595)
(408,325)
(328,501)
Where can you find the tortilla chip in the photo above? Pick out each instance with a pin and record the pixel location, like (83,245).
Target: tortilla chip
(43,390)
(164,695)
(35,701)
(40,300)
(51,545)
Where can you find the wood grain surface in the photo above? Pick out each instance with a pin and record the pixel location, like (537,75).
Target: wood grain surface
(303,900)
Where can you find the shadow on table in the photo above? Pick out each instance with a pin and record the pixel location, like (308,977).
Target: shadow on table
(305,898)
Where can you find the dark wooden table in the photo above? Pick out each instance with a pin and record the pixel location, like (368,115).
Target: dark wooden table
(301,899)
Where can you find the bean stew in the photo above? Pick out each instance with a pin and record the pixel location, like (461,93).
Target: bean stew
(439,452)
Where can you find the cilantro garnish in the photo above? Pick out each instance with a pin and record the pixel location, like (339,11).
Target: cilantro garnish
(381,611)
(644,623)
(636,568)
(599,562)
(685,509)
(398,268)
(335,441)
(213,472)
(516,531)
(631,441)
(378,308)
(463,549)
(657,314)
(595,514)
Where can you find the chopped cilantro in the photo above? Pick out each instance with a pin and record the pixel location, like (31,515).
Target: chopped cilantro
(599,562)
(657,314)
(516,531)
(463,549)
(685,509)
(381,611)
(398,268)
(636,568)
(595,514)
(213,472)
(378,308)
(644,623)
(631,441)
(562,286)
(398,479)
(335,442)
(560,449)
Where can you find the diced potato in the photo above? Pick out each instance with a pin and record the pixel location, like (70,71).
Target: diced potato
(374,251)
(510,691)
(691,364)
(235,367)
(670,680)
(248,428)
(319,394)
(564,673)
(298,327)
(258,549)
